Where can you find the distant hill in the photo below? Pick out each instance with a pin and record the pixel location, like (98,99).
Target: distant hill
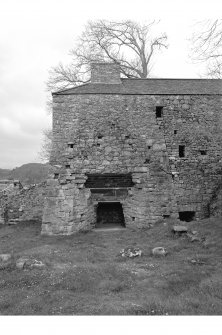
(31,173)
(4,173)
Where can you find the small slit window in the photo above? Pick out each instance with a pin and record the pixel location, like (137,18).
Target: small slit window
(203,152)
(56,175)
(159,112)
(181,150)
(70,145)
(175,132)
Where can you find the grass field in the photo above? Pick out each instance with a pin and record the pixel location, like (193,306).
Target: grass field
(85,274)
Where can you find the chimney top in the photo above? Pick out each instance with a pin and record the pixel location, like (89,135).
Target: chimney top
(105,73)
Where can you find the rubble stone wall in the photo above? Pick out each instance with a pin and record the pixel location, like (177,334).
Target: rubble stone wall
(23,205)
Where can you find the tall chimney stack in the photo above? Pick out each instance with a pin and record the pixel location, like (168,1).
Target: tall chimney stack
(105,73)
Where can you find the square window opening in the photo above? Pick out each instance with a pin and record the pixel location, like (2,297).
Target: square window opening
(203,152)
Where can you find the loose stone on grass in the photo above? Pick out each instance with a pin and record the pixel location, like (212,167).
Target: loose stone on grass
(5,257)
(28,263)
(6,261)
(20,263)
(131,252)
(37,264)
(177,229)
(159,251)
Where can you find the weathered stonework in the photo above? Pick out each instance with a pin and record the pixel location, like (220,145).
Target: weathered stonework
(22,204)
(107,128)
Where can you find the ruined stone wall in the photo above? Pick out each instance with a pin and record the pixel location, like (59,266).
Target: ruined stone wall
(23,205)
(96,133)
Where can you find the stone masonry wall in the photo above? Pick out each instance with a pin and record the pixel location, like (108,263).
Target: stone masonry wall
(108,73)
(96,133)
(196,123)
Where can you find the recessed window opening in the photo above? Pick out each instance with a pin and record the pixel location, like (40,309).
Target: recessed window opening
(127,137)
(70,145)
(166,216)
(98,144)
(203,152)
(181,150)
(56,175)
(100,136)
(133,218)
(67,166)
(109,180)
(187,216)
(147,160)
(149,147)
(159,111)
(109,214)
(175,132)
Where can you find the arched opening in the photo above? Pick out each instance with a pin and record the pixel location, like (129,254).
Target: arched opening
(109,214)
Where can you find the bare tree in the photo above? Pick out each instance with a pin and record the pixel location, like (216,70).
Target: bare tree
(129,43)
(207,46)
(46,146)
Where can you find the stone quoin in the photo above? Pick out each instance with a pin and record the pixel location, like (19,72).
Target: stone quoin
(139,150)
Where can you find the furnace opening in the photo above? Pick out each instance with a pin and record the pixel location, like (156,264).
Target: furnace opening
(109,214)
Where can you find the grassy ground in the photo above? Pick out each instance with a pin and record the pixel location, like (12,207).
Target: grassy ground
(86,275)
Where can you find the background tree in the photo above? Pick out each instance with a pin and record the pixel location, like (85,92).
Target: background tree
(46,146)
(207,46)
(129,43)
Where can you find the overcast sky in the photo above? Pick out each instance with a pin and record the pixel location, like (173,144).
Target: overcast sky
(37,34)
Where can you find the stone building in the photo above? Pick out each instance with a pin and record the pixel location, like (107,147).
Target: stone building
(133,151)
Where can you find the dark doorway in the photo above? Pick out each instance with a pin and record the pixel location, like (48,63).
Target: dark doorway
(187,216)
(109,214)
